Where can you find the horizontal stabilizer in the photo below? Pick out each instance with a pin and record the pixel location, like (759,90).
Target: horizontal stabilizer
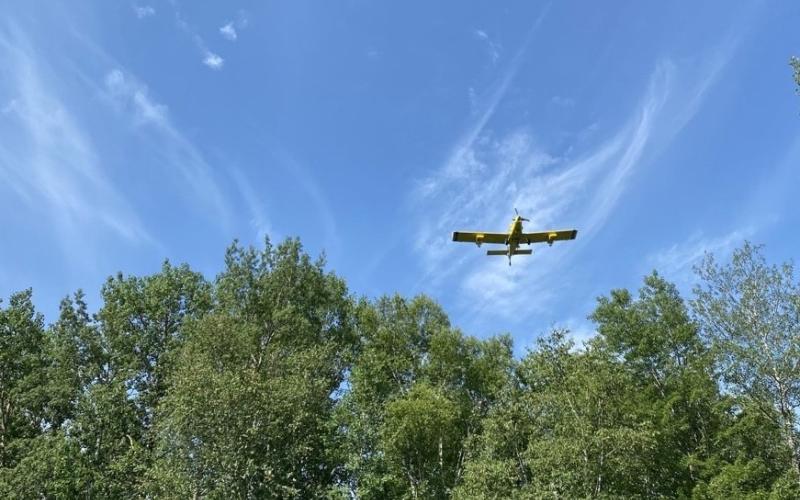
(497,252)
(523,252)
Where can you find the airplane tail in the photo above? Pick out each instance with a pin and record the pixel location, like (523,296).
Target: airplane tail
(526,251)
(497,252)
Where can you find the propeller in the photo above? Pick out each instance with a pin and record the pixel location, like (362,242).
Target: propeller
(520,217)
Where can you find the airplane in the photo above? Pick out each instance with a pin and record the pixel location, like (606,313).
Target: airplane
(514,238)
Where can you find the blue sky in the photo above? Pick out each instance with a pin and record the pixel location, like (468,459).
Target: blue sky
(135,132)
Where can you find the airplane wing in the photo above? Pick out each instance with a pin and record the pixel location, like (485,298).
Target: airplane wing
(469,237)
(548,236)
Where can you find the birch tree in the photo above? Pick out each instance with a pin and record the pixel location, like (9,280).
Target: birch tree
(750,313)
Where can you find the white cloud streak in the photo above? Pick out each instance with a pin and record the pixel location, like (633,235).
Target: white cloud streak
(49,161)
(486,177)
(132,97)
(258,218)
(459,155)
(228,32)
(210,58)
(316,195)
(213,61)
(493,48)
(676,263)
(581,332)
(143,11)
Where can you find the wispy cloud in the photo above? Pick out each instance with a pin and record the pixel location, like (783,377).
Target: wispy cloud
(514,172)
(132,97)
(677,261)
(135,95)
(143,11)
(459,157)
(633,138)
(313,196)
(228,31)
(258,218)
(210,58)
(9,106)
(486,177)
(48,158)
(322,208)
(581,331)
(213,61)
(492,47)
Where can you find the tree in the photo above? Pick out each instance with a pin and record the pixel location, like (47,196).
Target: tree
(73,360)
(21,376)
(421,439)
(52,464)
(272,382)
(52,467)
(141,322)
(749,459)
(660,345)
(248,412)
(569,428)
(795,63)
(107,375)
(750,313)
(419,390)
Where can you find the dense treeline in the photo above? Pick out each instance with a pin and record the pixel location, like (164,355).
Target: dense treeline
(272,381)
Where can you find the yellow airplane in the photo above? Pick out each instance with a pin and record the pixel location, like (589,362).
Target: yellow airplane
(514,238)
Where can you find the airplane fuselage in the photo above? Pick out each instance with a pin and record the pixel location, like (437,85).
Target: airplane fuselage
(514,233)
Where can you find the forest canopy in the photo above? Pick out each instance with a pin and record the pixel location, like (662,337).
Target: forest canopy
(273,381)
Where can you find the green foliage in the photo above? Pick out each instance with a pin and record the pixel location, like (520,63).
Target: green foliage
(52,467)
(570,430)
(420,437)
(750,460)
(21,376)
(795,64)
(141,322)
(73,360)
(273,382)
(660,346)
(254,383)
(418,391)
(750,314)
